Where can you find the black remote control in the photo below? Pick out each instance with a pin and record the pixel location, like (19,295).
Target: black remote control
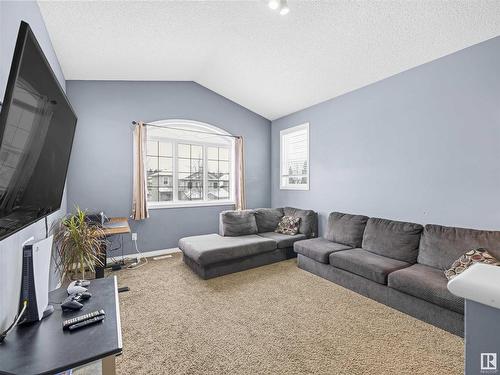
(86,322)
(82,318)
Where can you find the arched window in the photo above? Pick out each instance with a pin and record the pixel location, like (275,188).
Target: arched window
(189,163)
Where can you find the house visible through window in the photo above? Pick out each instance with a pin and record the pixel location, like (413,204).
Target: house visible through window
(294,158)
(218,164)
(188,163)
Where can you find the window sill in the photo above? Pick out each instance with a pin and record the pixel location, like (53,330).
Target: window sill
(153,206)
(303,188)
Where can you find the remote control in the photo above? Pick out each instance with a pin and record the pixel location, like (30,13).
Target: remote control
(86,322)
(82,318)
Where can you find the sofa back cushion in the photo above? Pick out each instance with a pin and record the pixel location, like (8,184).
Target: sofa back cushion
(237,223)
(394,239)
(308,220)
(346,229)
(441,246)
(268,219)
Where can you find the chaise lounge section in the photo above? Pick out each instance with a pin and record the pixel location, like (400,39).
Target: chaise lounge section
(397,263)
(246,240)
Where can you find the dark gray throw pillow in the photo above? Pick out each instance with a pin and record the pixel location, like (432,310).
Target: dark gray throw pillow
(237,223)
(268,218)
(346,229)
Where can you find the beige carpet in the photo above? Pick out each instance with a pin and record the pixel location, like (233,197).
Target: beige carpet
(275,319)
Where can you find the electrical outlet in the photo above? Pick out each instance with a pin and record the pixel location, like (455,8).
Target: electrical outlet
(134,236)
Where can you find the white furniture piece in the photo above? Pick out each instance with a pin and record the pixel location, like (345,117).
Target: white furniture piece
(479,285)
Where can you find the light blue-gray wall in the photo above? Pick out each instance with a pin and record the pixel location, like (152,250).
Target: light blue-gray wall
(100,172)
(422,146)
(11,14)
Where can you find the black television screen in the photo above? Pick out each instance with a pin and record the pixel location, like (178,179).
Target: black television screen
(37,125)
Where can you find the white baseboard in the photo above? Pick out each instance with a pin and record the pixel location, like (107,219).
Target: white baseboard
(147,254)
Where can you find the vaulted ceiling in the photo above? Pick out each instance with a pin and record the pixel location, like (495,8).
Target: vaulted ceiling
(270,64)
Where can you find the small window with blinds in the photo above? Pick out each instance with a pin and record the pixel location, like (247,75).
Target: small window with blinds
(294,158)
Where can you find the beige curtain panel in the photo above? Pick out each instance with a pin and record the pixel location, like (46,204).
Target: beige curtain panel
(140,193)
(240,174)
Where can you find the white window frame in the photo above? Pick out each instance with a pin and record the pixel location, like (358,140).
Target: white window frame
(283,168)
(176,203)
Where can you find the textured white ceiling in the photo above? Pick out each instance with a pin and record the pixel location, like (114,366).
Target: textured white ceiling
(271,64)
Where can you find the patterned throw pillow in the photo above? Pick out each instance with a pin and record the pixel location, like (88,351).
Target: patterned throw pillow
(288,225)
(479,255)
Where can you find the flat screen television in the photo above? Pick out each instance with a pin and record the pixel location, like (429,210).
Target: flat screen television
(37,126)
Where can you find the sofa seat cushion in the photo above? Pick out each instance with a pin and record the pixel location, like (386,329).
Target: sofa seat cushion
(318,249)
(394,239)
(283,240)
(346,229)
(427,283)
(213,248)
(440,246)
(364,263)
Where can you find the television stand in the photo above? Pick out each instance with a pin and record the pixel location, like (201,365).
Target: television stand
(44,348)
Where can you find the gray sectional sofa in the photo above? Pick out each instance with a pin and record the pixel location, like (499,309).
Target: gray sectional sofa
(246,240)
(396,263)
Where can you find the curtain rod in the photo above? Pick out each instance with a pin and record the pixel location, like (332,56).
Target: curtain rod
(188,130)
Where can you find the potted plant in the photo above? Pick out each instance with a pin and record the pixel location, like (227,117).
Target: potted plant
(79,244)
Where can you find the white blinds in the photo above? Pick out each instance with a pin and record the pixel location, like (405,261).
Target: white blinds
(295,157)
